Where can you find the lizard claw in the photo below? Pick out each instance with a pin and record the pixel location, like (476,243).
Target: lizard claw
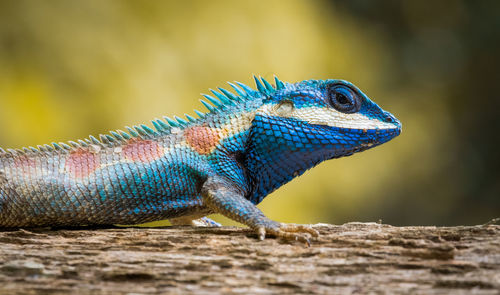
(287,231)
(261,231)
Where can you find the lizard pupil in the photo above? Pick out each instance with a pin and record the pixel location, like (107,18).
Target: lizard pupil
(342,99)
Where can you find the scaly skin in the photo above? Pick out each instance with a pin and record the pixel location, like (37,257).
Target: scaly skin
(227,161)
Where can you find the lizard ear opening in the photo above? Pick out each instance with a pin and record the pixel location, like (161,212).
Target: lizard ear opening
(285,107)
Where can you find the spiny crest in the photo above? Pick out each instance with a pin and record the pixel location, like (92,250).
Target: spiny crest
(224,98)
(220,100)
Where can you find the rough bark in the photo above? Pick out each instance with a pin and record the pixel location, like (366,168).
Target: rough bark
(352,258)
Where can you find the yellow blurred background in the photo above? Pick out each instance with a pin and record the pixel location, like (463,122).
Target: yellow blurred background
(73,68)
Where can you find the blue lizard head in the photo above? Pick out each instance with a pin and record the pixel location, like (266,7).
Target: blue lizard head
(300,125)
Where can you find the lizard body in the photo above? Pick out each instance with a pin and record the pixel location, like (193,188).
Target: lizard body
(226,161)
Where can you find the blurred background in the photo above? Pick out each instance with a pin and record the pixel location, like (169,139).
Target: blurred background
(73,68)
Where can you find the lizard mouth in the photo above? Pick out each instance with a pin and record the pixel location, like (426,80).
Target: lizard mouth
(381,136)
(369,139)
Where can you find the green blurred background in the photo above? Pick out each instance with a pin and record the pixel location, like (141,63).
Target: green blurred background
(73,68)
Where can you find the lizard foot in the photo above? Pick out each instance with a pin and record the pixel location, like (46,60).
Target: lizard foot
(286,231)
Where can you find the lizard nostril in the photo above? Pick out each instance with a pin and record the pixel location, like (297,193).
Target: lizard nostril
(388,118)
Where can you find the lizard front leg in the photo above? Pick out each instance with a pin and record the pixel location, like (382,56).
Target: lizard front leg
(221,196)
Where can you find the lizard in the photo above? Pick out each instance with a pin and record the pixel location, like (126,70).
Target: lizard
(226,160)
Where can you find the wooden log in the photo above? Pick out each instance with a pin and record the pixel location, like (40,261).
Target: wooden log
(354,258)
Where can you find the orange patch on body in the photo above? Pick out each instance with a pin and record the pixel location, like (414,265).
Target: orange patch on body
(24,161)
(202,139)
(25,164)
(139,150)
(81,163)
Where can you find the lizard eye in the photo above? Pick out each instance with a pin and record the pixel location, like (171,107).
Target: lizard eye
(344,99)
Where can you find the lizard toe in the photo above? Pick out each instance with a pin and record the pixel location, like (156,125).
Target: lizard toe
(299,228)
(293,232)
